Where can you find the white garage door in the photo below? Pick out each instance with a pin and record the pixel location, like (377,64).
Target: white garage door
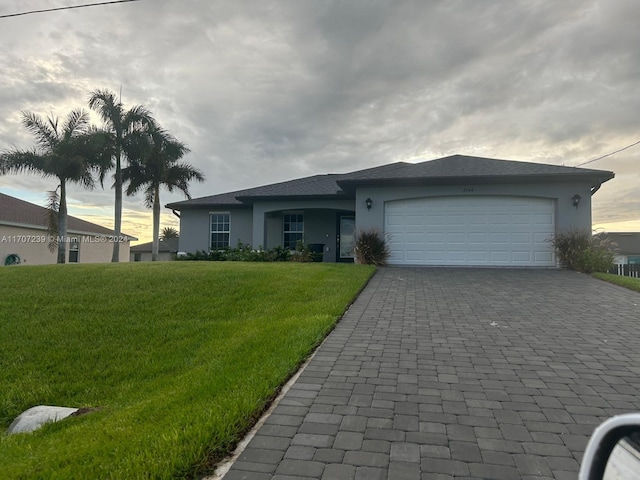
(510,231)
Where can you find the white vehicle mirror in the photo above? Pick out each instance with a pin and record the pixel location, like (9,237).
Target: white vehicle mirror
(613,453)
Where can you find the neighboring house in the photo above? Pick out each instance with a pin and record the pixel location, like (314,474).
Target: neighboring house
(167,250)
(456,210)
(626,245)
(23,231)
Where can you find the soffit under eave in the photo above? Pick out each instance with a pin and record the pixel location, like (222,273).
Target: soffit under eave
(350,186)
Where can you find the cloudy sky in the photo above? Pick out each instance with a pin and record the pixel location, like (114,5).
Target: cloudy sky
(266,91)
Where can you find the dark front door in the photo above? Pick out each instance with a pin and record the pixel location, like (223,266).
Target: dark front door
(346,237)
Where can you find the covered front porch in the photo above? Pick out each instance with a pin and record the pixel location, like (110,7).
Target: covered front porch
(330,231)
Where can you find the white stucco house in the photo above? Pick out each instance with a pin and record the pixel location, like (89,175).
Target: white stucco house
(626,246)
(457,210)
(23,232)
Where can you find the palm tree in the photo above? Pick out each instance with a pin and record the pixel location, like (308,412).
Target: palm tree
(122,125)
(71,152)
(169,232)
(153,163)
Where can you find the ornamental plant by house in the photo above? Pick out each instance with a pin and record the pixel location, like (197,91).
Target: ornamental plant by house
(371,247)
(579,250)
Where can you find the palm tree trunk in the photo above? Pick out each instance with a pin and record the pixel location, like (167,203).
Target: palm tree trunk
(62,223)
(117,223)
(156,223)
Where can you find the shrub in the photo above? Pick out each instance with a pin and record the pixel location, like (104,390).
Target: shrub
(303,253)
(371,247)
(579,250)
(245,253)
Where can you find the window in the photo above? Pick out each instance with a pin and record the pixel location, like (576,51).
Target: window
(220,231)
(293,230)
(74,250)
(137,257)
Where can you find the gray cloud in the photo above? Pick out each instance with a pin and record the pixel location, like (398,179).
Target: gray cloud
(268,91)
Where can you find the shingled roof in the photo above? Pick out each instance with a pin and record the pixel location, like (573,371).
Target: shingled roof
(447,170)
(624,243)
(14,211)
(169,245)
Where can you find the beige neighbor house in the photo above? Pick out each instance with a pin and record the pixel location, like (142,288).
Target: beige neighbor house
(23,235)
(167,250)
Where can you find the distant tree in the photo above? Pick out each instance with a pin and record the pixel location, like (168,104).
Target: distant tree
(122,126)
(154,162)
(71,152)
(169,232)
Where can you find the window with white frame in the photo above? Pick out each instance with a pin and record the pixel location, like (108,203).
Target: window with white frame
(220,230)
(74,250)
(293,228)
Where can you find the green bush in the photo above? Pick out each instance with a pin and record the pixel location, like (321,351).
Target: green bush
(579,250)
(371,248)
(245,253)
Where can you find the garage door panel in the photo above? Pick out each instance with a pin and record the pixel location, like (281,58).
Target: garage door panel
(415,238)
(500,219)
(543,257)
(521,238)
(543,220)
(478,256)
(522,257)
(394,220)
(475,238)
(471,231)
(540,238)
(435,238)
(520,219)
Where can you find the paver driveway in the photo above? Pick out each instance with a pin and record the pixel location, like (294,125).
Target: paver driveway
(439,373)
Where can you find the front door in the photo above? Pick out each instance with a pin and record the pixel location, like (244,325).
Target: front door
(346,238)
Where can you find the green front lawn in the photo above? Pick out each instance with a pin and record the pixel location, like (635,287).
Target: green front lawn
(627,282)
(178,359)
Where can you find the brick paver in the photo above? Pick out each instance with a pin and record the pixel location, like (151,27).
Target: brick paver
(457,373)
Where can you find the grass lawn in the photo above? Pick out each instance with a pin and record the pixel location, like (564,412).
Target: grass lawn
(628,282)
(177,358)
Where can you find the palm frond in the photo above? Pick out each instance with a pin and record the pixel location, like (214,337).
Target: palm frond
(46,132)
(86,180)
(148,197)
(53,208)
(77,122)
(137,117)
(26,161)
(106,105)
(136,177)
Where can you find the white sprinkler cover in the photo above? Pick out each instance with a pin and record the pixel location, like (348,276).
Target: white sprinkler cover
(36,417)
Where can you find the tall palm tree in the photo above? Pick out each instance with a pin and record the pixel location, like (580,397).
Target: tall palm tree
(122,125)
(169,232)
(154,163)
(71,152)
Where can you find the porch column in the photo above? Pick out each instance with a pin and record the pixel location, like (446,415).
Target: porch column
(259,227)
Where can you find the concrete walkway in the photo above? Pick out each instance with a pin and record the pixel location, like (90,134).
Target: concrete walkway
(438,373)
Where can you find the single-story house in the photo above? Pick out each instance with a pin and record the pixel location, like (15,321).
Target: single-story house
(23,232)
(626,245)
(167,250)
(457,210)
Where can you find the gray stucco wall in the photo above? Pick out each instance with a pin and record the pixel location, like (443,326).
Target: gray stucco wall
(195,228)
(566,214)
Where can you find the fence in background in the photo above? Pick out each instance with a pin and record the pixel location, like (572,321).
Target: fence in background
(628,270)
